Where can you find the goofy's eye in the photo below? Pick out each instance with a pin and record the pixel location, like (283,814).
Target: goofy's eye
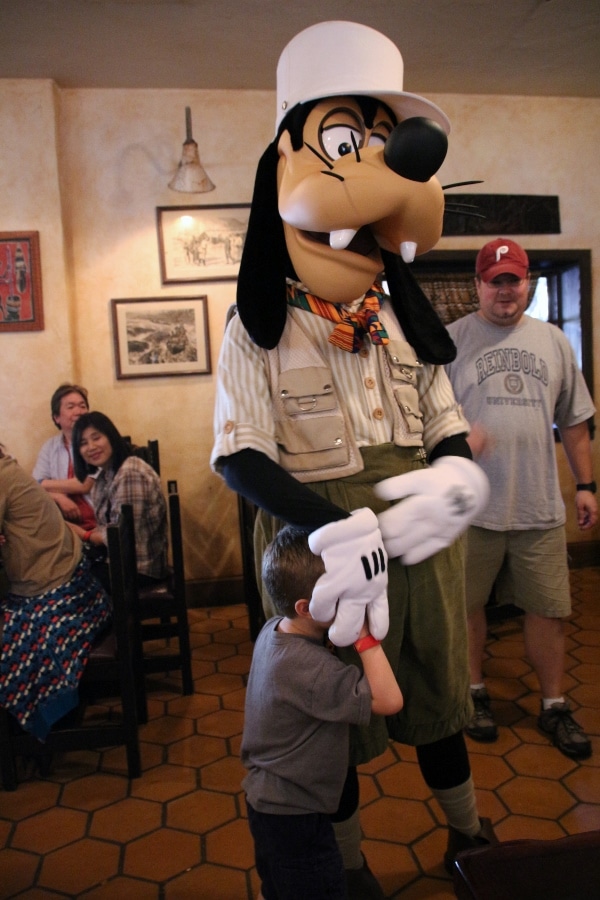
(339,140)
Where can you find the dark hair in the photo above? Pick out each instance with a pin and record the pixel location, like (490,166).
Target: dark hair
(61,392)
(121,449)
(290,569)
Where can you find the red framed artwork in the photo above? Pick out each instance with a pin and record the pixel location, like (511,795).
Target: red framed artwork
(21,307)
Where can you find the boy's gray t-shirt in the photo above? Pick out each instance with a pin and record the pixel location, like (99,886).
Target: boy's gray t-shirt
(300,700)
(517,382)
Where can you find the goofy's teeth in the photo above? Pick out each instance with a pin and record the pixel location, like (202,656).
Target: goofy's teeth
(408,250)
(339,240)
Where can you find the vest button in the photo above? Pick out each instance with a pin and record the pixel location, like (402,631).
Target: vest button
(378,413)
(228,427)
(370,383)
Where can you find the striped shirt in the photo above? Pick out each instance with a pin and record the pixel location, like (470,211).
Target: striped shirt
(243,407)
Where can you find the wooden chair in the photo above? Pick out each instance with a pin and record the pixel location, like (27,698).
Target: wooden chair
(256,615)
(149,452)
(165,604)
(113,669)
(566,868)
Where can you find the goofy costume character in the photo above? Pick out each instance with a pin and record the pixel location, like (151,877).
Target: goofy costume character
(333,404)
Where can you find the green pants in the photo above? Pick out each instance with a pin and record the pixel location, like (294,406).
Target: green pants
(427,640)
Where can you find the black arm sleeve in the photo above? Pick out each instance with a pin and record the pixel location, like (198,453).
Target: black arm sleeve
(452,446)
(269,486)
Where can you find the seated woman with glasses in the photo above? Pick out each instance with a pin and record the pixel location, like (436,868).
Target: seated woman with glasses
(51,608)
(123,478)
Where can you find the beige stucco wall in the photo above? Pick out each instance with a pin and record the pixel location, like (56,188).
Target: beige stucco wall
(87,169)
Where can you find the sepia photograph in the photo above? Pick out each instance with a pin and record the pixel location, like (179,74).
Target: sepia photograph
(159,336)
(201,243)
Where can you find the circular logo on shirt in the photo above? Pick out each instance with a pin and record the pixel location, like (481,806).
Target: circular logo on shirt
(513,384)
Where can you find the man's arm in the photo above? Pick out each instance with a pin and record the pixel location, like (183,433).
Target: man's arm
(578,449)
(67,485)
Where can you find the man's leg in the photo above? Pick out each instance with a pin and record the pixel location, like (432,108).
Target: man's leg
(540,577)
(477,630)
(484,558)
(545,649)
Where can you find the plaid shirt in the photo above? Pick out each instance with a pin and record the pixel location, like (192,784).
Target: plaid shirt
(136,483)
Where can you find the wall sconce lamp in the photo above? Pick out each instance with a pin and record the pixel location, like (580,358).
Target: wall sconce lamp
(190,177)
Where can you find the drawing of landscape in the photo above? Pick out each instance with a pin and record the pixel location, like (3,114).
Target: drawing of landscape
(215,242)
(167,336)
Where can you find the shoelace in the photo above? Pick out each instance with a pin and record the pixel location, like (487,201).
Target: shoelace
(566,720)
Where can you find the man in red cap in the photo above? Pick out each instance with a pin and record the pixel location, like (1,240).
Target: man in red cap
(516,377)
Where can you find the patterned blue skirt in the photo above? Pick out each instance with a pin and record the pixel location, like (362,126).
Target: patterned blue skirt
(46,643)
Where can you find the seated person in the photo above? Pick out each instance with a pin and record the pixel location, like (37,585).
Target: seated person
(49,591)
(123,478)
(54,465)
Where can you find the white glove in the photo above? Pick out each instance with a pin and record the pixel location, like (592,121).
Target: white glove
(355,578)
(442,501)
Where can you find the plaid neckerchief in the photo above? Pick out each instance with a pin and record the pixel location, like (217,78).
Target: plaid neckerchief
(350,328)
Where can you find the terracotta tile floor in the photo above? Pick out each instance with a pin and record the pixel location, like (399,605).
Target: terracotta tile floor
(180,831)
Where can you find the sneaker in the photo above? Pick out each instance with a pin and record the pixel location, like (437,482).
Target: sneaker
(567,735)
(481,726)
(457,842)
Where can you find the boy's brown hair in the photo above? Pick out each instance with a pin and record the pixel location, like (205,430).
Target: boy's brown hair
(290,569)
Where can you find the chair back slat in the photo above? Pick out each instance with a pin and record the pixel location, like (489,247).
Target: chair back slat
(120,538)
(149,452)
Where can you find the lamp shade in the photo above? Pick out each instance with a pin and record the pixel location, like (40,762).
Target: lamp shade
(190,176)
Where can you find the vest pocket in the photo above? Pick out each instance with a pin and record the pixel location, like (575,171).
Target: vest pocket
(310,431)
(404,367)
(303,391)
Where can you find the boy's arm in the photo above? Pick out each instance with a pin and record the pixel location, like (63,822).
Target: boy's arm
(386,694)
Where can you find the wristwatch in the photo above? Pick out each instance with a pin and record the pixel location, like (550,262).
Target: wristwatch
(590,486)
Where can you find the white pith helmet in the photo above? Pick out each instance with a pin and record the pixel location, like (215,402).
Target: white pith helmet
(333,59)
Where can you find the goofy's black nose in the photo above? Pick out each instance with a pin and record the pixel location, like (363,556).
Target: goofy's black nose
(416,148)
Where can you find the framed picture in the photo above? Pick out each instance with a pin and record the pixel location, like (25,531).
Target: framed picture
(157,336)
(201,243)
(21,307)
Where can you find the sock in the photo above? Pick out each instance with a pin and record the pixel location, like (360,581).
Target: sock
(460,807)
(348,836)
(548,701)
(477,687)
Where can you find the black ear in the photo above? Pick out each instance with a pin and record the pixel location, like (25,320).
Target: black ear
(420,323)
(261,288)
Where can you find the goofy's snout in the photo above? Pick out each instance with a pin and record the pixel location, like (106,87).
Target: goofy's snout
(416,148)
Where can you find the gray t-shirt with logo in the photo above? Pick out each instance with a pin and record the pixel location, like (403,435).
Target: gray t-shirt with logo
(517,382)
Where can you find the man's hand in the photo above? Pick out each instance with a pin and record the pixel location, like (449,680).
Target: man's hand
(441,502)
(355,579)
(68,507)
(587,509)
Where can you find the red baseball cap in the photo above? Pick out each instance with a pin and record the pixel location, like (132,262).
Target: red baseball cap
(501,256)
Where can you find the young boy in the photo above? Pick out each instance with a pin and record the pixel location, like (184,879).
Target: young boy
(300,701)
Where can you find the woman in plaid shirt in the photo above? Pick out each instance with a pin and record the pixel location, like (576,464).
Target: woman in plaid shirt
(123,478)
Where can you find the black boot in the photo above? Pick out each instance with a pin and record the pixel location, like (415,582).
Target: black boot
(362,884)
(458,841)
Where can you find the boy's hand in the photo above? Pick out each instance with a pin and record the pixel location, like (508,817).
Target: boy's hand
(355,579)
